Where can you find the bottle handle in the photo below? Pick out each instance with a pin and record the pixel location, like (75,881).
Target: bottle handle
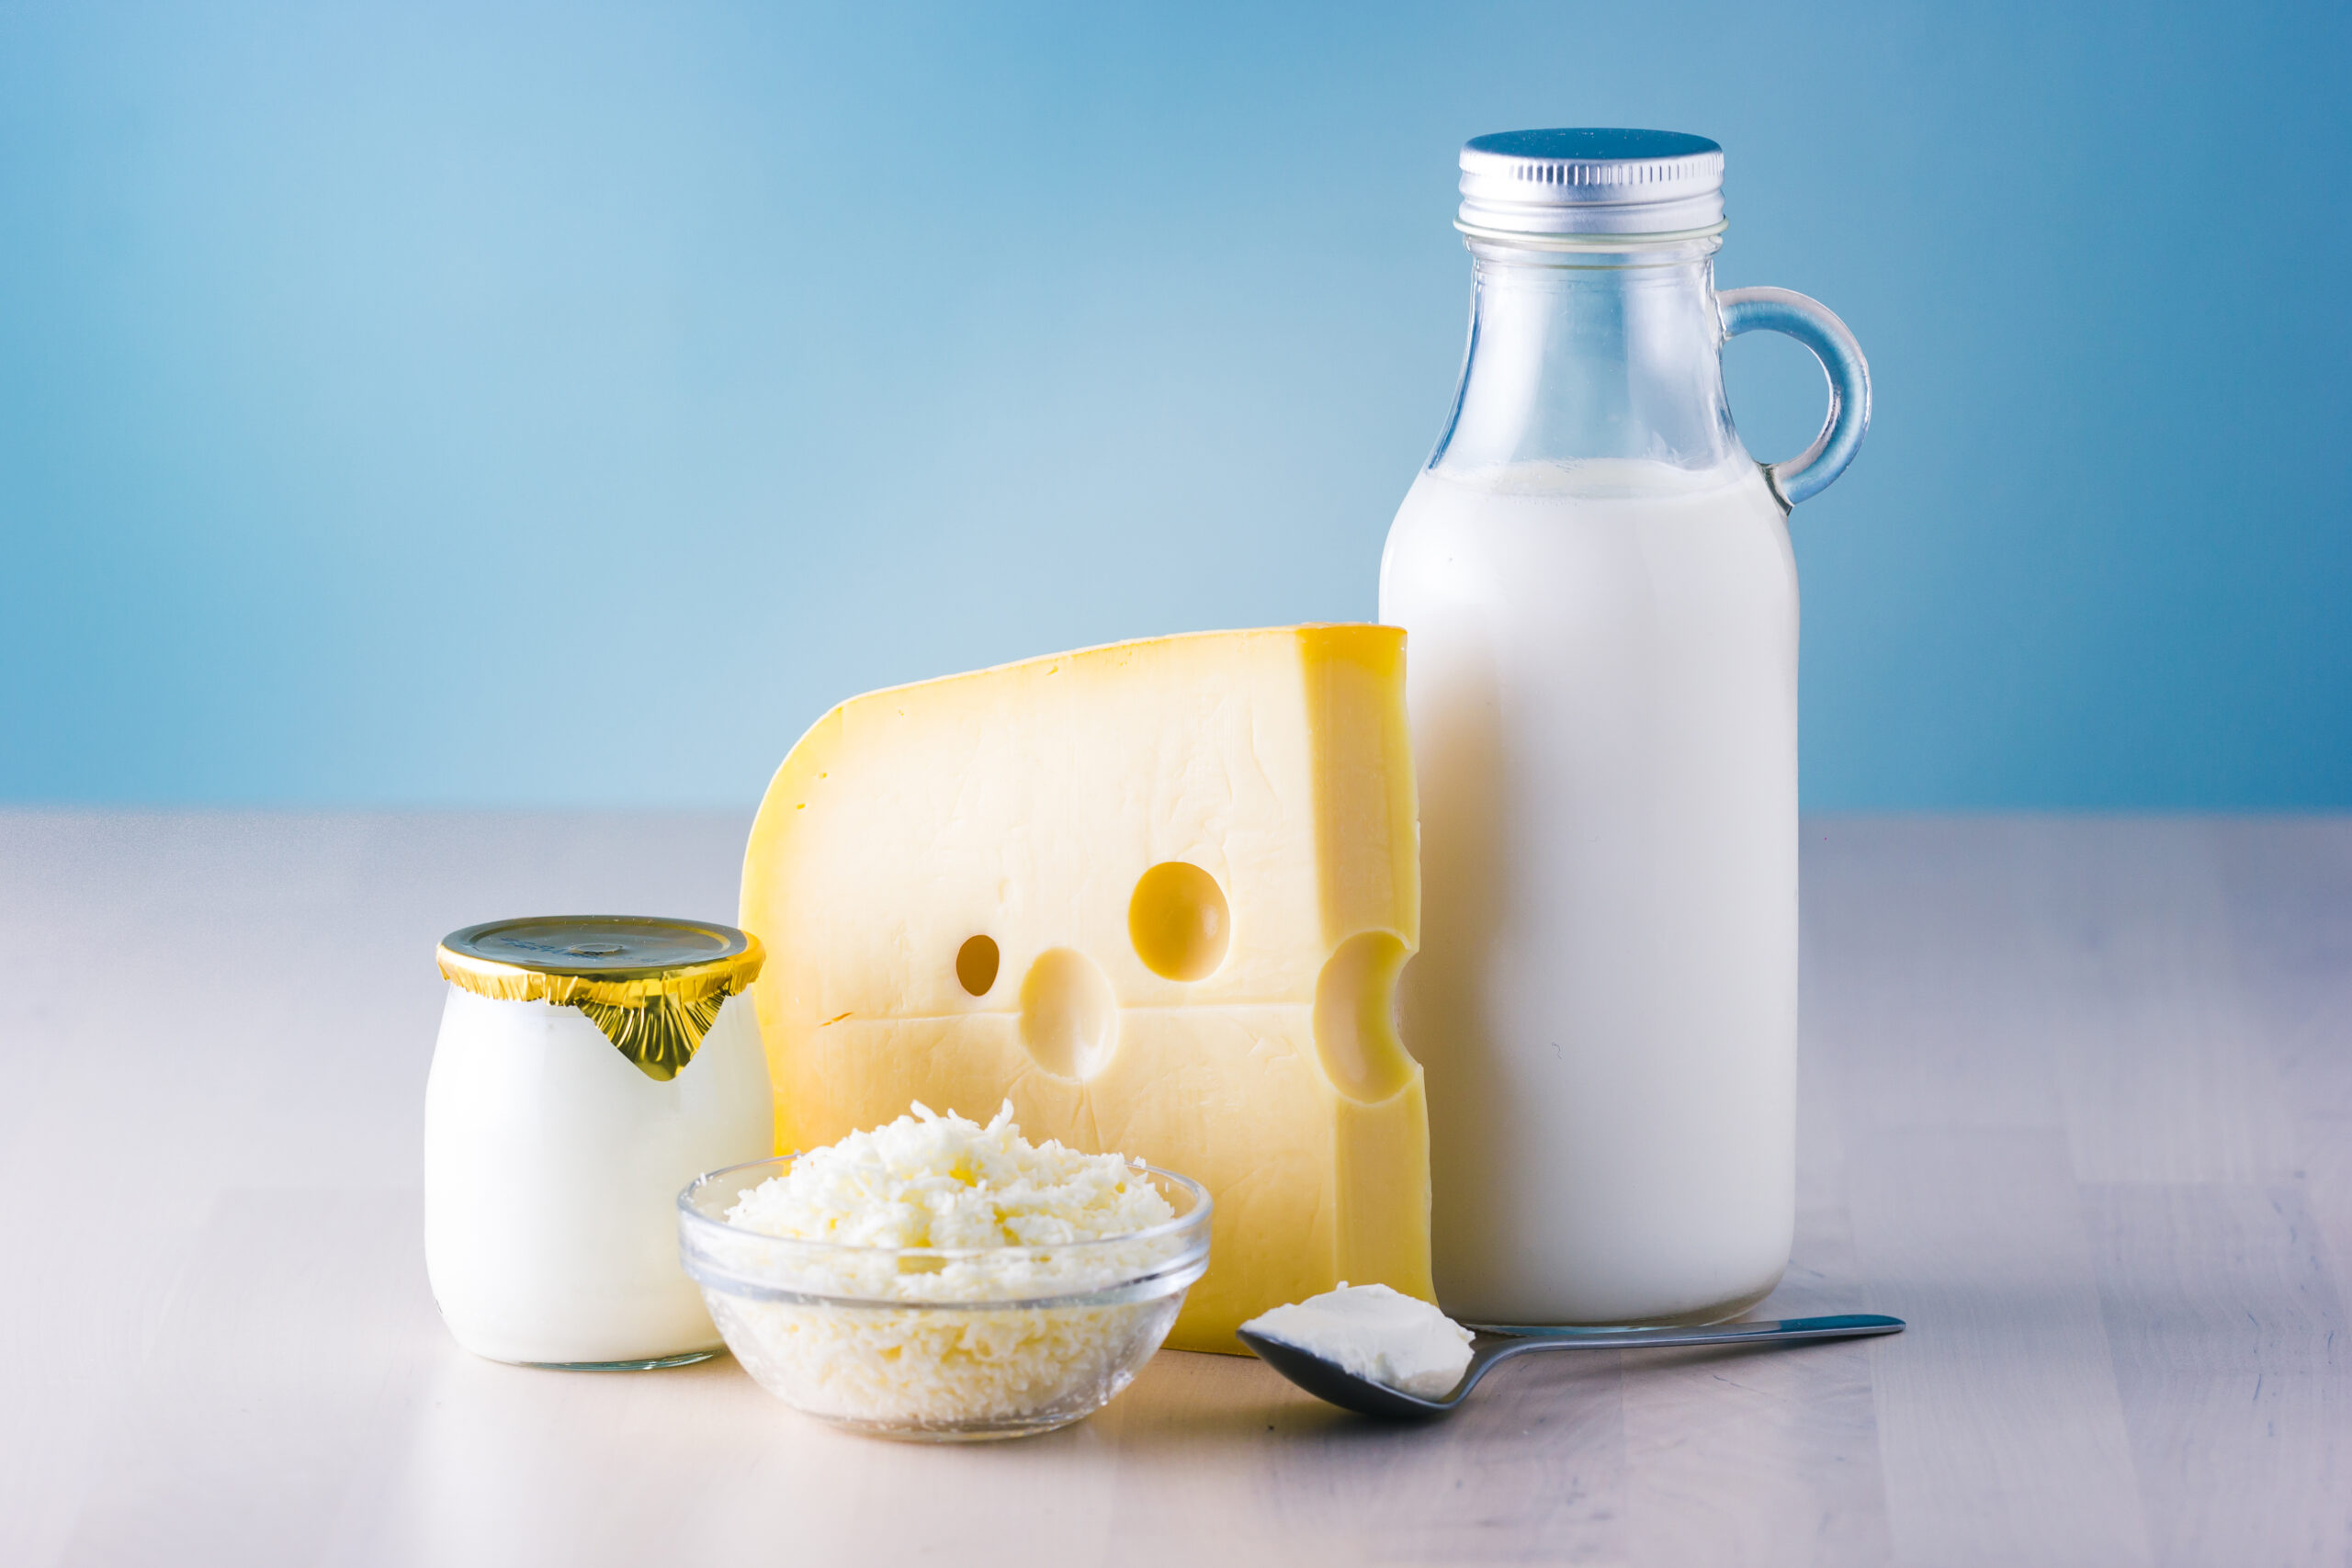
(1812,325)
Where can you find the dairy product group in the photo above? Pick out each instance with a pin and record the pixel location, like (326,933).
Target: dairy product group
(1155,900)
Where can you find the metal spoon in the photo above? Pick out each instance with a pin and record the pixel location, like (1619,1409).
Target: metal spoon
(1500,1342)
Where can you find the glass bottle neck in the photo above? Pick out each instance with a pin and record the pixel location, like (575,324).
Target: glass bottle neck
(1584,356)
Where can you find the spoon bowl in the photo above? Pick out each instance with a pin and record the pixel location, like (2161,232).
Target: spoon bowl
(1326,1380)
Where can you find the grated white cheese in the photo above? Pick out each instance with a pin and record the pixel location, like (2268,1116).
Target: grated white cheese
(928,1180)
(892,1345)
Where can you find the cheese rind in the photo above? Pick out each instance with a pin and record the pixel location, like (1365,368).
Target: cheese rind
(1231,1021)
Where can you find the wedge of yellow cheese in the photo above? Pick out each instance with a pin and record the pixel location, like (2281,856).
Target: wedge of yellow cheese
(1155,894)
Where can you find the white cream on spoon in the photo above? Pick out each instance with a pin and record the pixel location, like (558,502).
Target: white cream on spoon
(1375,1333)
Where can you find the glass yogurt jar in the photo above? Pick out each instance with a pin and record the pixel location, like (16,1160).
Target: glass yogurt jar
(588,1067)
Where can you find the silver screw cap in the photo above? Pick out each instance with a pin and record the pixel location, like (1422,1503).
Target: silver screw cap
(1591,182)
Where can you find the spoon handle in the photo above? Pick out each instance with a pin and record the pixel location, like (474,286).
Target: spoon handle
(1845,1327)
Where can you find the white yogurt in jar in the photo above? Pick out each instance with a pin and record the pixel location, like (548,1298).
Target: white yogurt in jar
(553,1159)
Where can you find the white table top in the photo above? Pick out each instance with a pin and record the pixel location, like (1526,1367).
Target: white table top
(2076,1102)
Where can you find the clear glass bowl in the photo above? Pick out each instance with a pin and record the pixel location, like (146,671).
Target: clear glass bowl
(938,1343)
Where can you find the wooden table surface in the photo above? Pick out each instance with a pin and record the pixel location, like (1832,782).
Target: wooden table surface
(2078,1102)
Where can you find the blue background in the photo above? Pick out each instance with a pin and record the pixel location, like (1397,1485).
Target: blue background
(518,405)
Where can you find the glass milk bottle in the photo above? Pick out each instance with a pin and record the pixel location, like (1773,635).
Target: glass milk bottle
(1601,655)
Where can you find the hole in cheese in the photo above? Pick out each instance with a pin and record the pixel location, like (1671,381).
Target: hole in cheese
(1070,1021)
(975,963)
(1355,1018)
(1179,921)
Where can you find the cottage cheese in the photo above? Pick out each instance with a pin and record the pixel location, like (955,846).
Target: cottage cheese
(1375,1333)
(981,1331)
(933,1182)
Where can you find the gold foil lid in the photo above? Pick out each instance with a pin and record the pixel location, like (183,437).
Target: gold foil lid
(653,985)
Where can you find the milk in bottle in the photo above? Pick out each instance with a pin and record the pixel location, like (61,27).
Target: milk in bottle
(1601,615)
